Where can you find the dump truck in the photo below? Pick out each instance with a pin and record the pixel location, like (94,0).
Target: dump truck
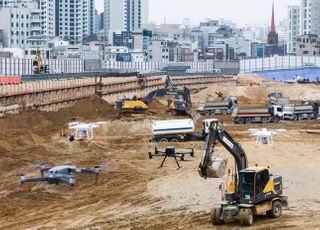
(224,107)
(299,112)
(179,130)
(278,99)
(260,115)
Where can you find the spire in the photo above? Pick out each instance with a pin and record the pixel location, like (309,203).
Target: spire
(273,27)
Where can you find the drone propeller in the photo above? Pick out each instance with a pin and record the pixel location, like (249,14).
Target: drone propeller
(24,177)
(104,166)
(40,165)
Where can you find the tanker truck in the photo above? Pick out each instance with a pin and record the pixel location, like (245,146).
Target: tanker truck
(179,130)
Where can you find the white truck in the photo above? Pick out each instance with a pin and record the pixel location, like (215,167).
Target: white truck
(218,107)
(178,130)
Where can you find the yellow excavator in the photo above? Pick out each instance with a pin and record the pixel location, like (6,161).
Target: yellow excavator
(181,103)
(253,190)
(38,67)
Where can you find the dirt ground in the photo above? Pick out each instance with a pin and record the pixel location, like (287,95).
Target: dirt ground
(134,193)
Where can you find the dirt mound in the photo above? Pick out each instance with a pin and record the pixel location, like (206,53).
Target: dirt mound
(35,127)
(157,107)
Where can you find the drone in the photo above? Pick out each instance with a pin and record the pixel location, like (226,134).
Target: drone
(170,151)
(60,174)
(83,130)
(264,136)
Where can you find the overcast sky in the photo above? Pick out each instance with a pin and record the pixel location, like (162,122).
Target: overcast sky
(240,11)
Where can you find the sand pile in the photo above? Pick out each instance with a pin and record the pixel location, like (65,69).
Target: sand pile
(30,128)
(157,107)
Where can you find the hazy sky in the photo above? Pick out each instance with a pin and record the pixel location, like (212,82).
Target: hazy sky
(240,11)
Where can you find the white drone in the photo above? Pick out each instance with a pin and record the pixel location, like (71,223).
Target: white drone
(83,130)
(264,136)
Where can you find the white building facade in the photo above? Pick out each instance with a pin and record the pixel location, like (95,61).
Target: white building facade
(310,17)
(20,21)
(293,28)
(124,15)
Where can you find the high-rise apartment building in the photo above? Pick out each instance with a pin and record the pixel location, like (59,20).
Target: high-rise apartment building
(293,28)
(19,22)
(124,15)
(310,17)
(70,19)
(48,16)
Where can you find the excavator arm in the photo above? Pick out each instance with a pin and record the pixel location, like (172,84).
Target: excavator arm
(214,167)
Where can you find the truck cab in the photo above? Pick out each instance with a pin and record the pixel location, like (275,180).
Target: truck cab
(277,110)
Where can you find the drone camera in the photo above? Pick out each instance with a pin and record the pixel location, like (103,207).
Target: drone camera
(171,150)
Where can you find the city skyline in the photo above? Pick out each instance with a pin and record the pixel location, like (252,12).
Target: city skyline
(215,9)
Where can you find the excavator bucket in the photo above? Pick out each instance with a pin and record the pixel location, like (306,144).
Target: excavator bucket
(216,167)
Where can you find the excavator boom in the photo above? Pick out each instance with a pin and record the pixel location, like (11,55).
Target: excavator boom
(214,167)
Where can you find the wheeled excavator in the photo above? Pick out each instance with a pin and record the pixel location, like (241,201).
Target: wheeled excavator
(253,190)
(179,105)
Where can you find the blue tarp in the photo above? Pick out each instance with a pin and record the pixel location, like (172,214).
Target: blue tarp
(280,75)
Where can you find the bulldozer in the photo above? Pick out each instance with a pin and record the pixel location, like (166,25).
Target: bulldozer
(252,191)
(38,67)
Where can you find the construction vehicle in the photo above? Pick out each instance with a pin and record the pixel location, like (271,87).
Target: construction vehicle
(252,190)
(299,112)
(224,107)
(178,130)
(177,105)
(38,67)
(264,115)
(278,99)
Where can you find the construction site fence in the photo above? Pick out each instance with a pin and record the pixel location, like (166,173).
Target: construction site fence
(19,66)
(279,63)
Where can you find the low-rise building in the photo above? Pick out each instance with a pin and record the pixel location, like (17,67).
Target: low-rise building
(158,51)
(308,45)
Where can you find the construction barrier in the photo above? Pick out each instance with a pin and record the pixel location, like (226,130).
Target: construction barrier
(10,80)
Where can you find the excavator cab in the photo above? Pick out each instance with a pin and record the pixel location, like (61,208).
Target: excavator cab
(257,185)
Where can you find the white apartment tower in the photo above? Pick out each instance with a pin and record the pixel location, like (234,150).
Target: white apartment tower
(19,22)
(70,19)
(124,15)
(48,16)
(293,28)
(310,17)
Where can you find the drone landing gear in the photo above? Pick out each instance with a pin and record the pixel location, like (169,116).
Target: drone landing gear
(170,152)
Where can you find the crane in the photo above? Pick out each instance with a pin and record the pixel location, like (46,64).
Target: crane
(252,191)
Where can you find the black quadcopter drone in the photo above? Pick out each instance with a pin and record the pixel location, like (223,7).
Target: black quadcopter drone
(170,151)
(60,174)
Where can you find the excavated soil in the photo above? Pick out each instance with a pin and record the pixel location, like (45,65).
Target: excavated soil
(134,193)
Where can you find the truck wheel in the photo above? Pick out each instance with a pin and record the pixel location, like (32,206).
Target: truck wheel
(207,113)
(174,140)
(224,112)
(276,210)
(276,120)
(213,112)
(240,120)
(264,120)
(248,120)
(246,217)
(215,216)
(163,139)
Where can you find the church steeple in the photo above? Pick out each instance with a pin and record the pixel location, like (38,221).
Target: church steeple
(273,27)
